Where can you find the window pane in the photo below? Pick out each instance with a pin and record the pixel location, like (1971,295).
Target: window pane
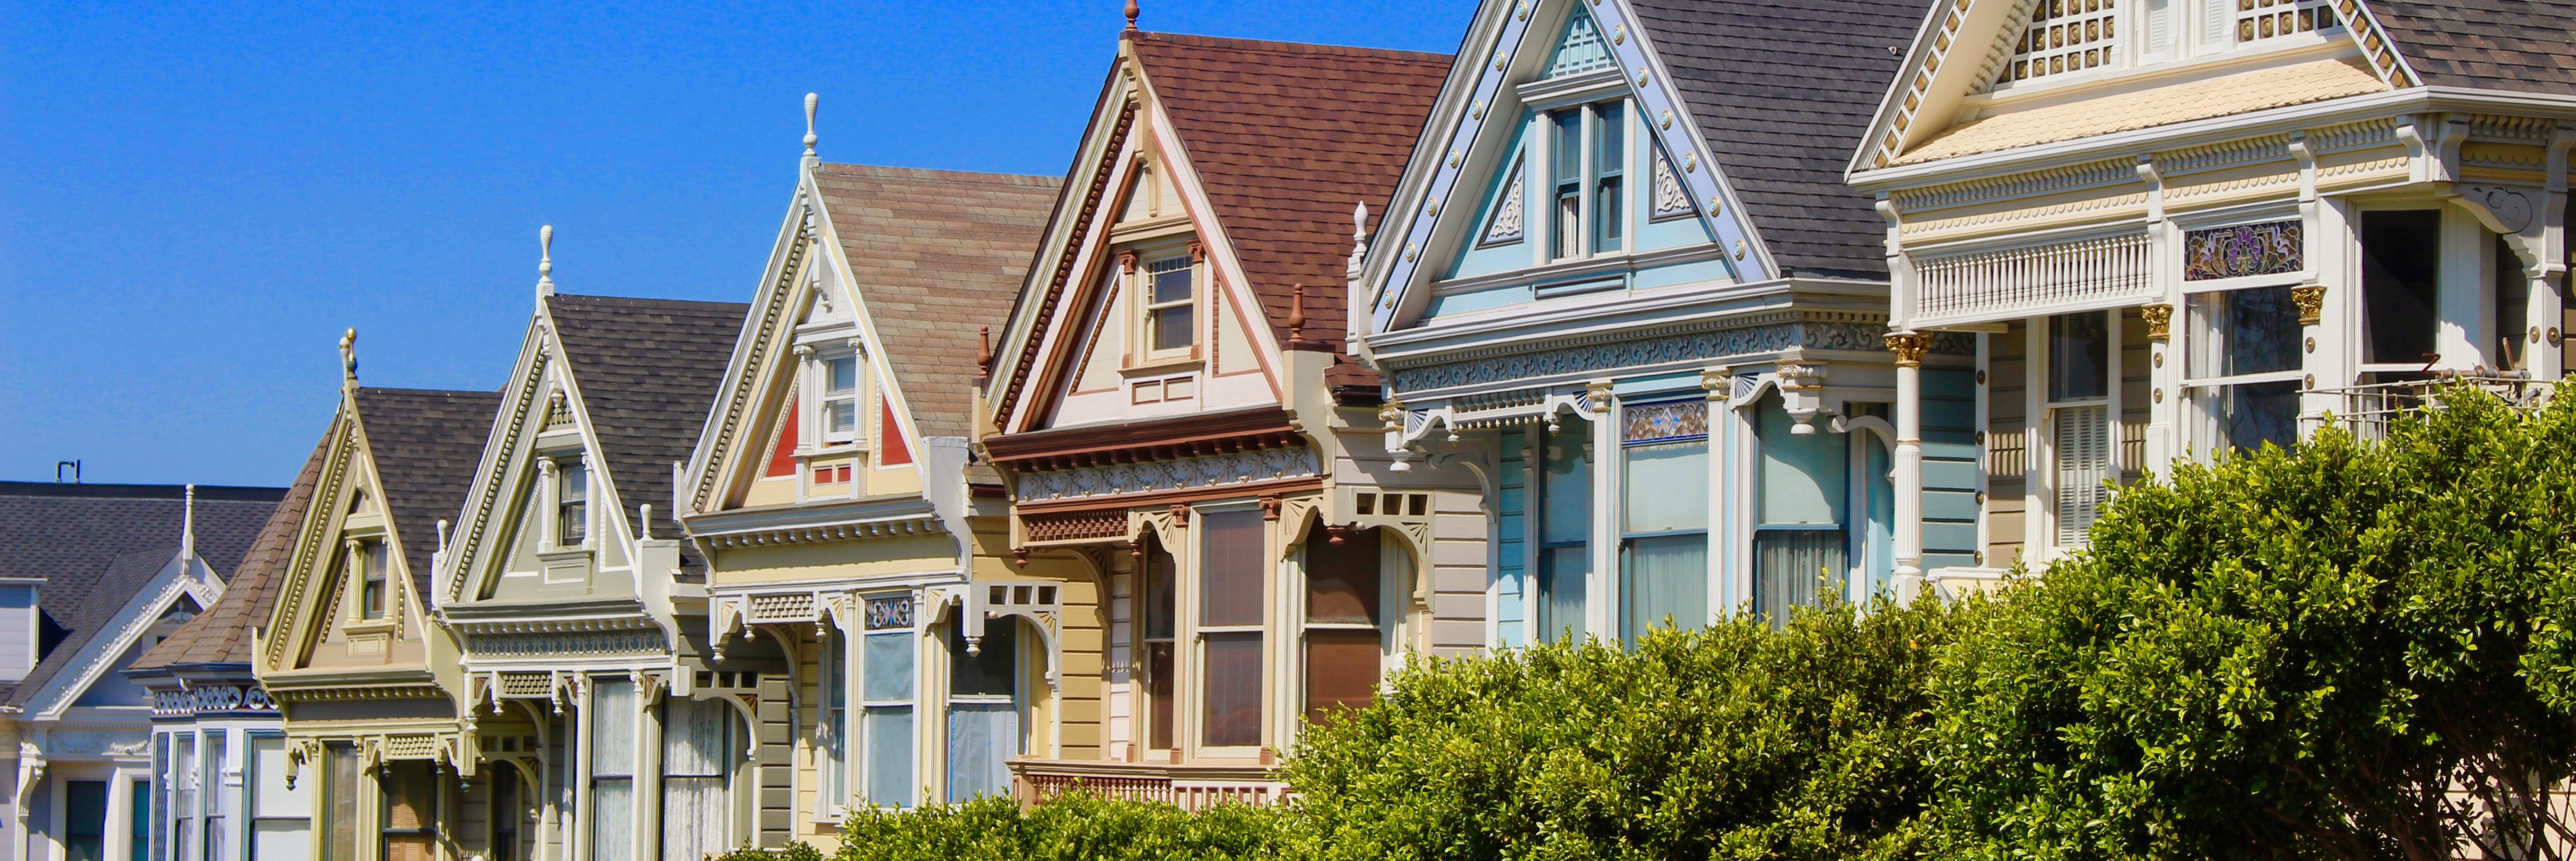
(694,738)
(1158,694)
(1665,486)
(1803,479)
(993,672)
(1667,577)
(2401,253)
(138,828)
(1234,689)
(1792,566)
(887,674)
(410,811)
(1610,140)
(1342,579)
(612,727)
(1160,603)
(1565,493)
(2245,332)
(1567,145)
(890,756)
(1341,670)
(2247,416)
(1561,575)
(1609,156)
(2079,348)
(1173,327)
(1171,279)
(1231,584)
(612,819)
(843,374)
(343,790)
(84,820)
(693,818)
(697,755)
(841,416)
(982,737)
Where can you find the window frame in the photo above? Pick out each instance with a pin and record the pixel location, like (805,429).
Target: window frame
(828,396)
(2200,393)
(2049,409)
(832,724)
(1197,634)
(909,629)
(571,509)
(1585,238)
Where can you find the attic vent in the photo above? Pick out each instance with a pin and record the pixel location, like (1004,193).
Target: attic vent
(1367,504)
(419,746)
(1580,50)
(527,685)
(2065,36)
(2258,20)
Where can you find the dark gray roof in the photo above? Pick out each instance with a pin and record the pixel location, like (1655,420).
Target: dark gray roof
(2521,45)
(1784,89)
(221,635)
(97,545)
(647,371)
(426,444)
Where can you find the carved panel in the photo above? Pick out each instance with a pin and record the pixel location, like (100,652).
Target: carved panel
(2270,248)
(1183,473)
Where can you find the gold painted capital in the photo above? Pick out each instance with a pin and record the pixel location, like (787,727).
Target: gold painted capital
(1909,348)
(2311,300)
(2159,321)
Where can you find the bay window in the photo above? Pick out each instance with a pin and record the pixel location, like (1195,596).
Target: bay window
(2243,367)
(1229,627)
(983,709)
(1344,612)
(1664,516)
(886,701)
(1801,549)
(612,769)
(699,747)
(2079,414)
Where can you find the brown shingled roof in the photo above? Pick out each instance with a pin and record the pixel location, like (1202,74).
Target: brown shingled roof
(2521,45)
(221,635)
(1285,138)
(937,255)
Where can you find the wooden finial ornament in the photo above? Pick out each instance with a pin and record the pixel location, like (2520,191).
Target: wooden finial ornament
(984,356)
(811,100)
(1297,314)
(349,355)
(545,261)
(1131,16)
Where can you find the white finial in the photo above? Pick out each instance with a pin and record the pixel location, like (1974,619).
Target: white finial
(188,523)
(545,261)
(810,101)
(644,516)
(1359,219)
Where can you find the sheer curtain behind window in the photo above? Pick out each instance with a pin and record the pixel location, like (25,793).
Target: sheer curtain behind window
(697,756)
(612,770)
(1800,546)
(983,710)
(1565,529)
(886,683)
(1664,515)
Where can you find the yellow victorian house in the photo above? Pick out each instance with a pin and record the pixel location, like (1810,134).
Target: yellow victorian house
(844,517)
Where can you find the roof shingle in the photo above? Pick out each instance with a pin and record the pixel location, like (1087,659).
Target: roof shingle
(2519,45)
(647,370)
(221,635)
(425,444)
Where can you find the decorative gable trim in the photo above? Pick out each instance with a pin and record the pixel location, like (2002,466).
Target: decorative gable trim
(752,351)
(1510,221)
(497,454)
(291,614)
(1672,126)
(1083,217)
(183,575)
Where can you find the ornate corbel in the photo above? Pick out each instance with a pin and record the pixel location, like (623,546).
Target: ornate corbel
(1127,262)
(2311,300)
(1802,394)
(1270,508)
(1181,515)
(2159,321)
(1596,397)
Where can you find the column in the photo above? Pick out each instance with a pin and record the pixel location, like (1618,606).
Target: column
(1909,348)
(1601,589)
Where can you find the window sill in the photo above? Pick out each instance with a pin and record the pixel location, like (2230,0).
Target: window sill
(1165,365)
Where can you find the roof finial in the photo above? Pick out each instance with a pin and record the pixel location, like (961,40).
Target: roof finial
(188,523)
(1359,219)
(1297,314)
(349,356)
(1359,239)
(811,100)
(1131,16)
(545,261)
(984,356)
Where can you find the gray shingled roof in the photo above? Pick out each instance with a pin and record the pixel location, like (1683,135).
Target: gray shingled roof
(2519,45)
(939,254)
(96,545)
(221,635)
(425,443)
(1784,89)
(647,371)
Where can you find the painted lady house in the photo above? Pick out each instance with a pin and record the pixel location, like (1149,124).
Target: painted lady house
(94,577)
(845,522)
(1623,288)
(371,764)
(600,720)
(2177,229)
(1174,414)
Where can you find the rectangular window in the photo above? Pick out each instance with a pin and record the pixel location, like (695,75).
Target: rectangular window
(1344,639)
(886,686)
(281,823)
(340,783)
(983,709)
(831,736)
(840,398)
(85,820)
(612,769)
(1664,514)
(698,752)
(1565,144)
(138,822)
(210,776)
(1162,607)
(185,841)
(572,520)
(2512,306)
(1565,528)
(2079,388)
(371,597)
(1230,617)
(409,815)
(1170,302)
(2244,368)
(507,812)
(1609,160)
(1801,546)
(2401,257)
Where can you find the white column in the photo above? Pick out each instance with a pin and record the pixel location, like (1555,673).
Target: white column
(2466,303)
(1601,598)
(1909,348)
(547,539)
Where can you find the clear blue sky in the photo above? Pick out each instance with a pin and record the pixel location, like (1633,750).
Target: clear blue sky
(195,199)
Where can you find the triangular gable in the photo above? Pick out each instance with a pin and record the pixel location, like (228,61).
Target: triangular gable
(177,578)
(1512,42)
(500,527)
(1965,47)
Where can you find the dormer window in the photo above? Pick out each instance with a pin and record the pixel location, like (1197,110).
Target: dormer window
(371,592)
(1588,160)
(572,503)
(840,401)
(1171,295)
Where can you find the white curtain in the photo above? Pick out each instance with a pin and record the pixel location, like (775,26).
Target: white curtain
(612,769)
(697,754)
(890,756)
(981,739)
(1667,577)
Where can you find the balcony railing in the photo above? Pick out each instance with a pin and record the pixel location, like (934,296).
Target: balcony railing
(2369,410)
(1189,787)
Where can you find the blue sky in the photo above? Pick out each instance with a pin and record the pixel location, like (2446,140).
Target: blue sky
(196,199)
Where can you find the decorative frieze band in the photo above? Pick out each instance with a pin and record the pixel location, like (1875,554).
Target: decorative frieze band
(1184,473)
(536,645)
(212,699)
(1705,346)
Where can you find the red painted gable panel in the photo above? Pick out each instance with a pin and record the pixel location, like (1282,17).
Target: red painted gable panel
(895,451)
(782,462)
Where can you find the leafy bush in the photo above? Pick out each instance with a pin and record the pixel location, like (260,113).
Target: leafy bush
(1073,826)
(2360,652)
(1732,742)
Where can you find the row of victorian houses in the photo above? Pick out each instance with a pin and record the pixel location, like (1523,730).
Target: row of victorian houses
(1317,359)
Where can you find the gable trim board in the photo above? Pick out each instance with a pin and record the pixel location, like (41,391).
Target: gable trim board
(1068,233)
(1463,116)
(183,576)
(1936,77)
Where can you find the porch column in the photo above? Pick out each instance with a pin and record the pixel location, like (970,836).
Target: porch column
(1909,348)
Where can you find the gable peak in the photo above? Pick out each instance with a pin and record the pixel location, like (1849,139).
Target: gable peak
(1580,47)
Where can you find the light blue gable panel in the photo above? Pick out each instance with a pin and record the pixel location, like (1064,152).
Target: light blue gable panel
(1478,252)
(1667,121)
(1481,300)
(1672,274)
(1662,227)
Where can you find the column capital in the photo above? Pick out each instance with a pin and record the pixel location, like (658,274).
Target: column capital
(2159,321)
(1909,347)
(2311,300)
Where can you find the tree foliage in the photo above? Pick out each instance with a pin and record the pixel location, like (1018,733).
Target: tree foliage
(2358,652)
